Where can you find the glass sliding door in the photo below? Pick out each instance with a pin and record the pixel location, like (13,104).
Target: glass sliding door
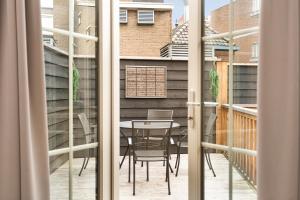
(228,96)
(71,69)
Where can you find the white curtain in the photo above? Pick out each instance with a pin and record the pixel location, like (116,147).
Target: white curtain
(24,170)
(278,101)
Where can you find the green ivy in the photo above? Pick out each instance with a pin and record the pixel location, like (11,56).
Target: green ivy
(214,82)
(76,76)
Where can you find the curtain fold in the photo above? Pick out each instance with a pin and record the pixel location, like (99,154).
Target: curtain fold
(24,168)
(278,101)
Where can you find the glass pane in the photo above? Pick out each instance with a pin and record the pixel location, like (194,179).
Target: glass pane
(85,112)
(59,177)
(85,174)
(246,14)
(232,83)
(216,164)
(216,12)
(85,17)
(244,91)
(85,94)
(57,89)
(55,14)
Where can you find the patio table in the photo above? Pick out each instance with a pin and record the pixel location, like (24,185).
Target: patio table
(149,126)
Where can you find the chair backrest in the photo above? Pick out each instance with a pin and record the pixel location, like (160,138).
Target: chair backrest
(143,134)
(210,124)
(154,114)
(159,114)
(86,127)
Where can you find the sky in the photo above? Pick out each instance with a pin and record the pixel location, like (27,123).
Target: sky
(209,6)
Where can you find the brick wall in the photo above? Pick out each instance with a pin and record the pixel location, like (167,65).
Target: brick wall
(87,25)
(136,40)
(243,18)
(145,40)
(61,21)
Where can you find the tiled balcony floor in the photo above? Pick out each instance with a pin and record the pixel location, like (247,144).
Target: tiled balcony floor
(216,188)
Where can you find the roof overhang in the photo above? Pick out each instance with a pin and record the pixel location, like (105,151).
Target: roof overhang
(146,5)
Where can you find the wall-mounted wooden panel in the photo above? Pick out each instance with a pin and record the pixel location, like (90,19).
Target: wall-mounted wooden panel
(145,81)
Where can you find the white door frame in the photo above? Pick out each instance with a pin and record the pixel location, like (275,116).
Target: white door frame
(109,106)
(194,97)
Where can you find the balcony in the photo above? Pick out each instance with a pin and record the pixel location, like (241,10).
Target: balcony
(244,168)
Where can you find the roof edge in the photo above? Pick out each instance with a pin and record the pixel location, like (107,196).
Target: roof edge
(146,5)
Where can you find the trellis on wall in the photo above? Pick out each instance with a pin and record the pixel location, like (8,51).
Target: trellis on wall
(146,81)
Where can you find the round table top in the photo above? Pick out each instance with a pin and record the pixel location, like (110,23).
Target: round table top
(151,125)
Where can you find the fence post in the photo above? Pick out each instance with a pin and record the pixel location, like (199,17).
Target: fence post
(221,124)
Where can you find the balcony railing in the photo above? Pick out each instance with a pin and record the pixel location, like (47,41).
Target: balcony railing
(244,137)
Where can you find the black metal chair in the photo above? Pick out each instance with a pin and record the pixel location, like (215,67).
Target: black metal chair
(155,114)
(146,149)
(89,136)
(152,114)
(183,144)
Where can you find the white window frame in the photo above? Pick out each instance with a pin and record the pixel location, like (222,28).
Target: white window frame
(126,16)
(254,51)
(196,175)
(145,22)
(108,101)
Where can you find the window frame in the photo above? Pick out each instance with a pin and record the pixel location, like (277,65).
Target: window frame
(71,34)
(254,51)
(139,11)
(126,16)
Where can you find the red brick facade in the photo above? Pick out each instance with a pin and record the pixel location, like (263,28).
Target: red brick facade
(244,17)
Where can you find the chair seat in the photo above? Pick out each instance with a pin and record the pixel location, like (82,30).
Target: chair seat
(150,155)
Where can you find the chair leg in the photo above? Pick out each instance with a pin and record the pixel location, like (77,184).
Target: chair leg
(129,164)
(87,161)
(212,169)
(124,156)
(89,155)
(178,165)
(82,167)
(142,164)
(133,177)
(147,171)
(178,152)
(206,158)
(170,168)
(168,177)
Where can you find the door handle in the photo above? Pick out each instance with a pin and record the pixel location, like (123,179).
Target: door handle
(191,104)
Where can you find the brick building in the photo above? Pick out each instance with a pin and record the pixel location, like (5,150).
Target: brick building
(246,15)
(145,26)
(145,35)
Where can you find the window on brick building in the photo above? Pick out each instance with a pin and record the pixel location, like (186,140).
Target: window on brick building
(145,16)
(123,16)
(254,51)
(146,81)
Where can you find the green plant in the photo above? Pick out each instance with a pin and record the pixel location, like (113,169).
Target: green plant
(76,76)
(214,82)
